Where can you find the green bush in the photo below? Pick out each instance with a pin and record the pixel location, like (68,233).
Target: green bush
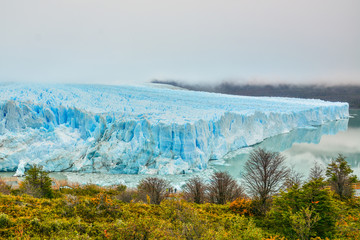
(339,178)
(37,183)
(310,199)
(4,220)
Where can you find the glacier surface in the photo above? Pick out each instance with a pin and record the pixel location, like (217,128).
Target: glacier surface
(140,129)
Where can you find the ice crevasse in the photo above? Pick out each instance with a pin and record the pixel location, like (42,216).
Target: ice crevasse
(140,129)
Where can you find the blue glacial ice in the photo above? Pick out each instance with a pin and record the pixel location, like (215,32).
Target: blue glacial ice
(140,129)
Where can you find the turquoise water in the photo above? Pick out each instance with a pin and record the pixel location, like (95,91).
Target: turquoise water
(303,147)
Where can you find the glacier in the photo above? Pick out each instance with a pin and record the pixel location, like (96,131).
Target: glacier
(140,129)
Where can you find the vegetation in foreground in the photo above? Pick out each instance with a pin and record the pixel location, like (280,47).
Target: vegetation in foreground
(279,206)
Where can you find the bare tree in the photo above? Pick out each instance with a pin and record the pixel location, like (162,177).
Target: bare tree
(316,172)
(265,175)
(155,188)
(223,188)
(195,190)
(293,178)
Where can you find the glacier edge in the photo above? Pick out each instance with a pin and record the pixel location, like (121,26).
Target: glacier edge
(68,135)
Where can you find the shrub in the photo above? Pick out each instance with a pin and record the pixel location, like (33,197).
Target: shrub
(321,213)
(338,173)
(246,229)
(120,188)
(85,190)
(185,217)
(37,183)
(155,188)
(4,188)
(4,221)
(128,196)
(303,222)
(241,206)
(223,188)
(195,190)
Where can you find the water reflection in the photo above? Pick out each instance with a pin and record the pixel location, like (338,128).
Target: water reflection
(302,156)
(303,147)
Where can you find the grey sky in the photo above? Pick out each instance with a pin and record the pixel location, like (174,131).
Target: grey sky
(117,41)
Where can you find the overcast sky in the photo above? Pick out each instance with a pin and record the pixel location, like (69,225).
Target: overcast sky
(120,41)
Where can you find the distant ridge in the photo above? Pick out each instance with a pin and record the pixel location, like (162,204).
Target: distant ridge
(341,93)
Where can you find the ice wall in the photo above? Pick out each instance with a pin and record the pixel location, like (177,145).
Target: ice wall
(127,129)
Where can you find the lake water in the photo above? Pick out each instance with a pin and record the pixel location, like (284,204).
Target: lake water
(301,147)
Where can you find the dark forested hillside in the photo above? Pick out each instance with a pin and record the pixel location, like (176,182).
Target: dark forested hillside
(342,93)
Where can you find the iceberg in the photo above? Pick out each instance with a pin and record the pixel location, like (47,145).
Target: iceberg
(140,129)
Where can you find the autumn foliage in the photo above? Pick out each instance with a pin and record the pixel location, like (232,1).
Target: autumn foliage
(241,206)
(213,209)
